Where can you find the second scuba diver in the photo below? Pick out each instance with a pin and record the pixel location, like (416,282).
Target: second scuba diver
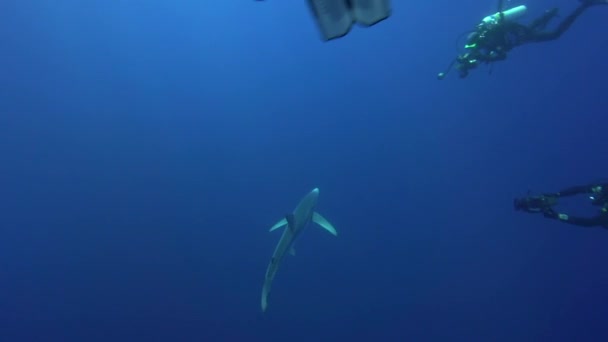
(499,33)
(598,194)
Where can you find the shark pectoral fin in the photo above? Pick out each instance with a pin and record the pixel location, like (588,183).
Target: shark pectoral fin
(292,251)
(279,224)
(321,221)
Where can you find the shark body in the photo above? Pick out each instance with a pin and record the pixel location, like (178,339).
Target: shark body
(294,224)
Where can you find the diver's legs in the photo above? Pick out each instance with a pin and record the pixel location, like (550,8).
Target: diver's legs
(541,22)
(564,25)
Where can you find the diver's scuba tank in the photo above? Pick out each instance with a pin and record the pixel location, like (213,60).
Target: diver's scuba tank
(486,24)
(510,14)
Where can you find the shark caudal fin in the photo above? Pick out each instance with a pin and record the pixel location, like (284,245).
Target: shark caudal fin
(264,299)
(321,221)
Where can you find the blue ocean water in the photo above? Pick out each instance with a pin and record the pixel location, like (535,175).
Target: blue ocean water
(147,146)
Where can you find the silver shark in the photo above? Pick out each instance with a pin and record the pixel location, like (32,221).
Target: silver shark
(295,224)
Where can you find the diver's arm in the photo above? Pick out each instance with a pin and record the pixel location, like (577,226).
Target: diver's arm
(493,56)
(575,190)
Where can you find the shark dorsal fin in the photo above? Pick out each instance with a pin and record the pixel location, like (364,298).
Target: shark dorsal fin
(321,221)
(279,224)
(292,251)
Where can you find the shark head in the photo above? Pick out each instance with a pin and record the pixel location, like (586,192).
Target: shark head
(314,194)
(308,203)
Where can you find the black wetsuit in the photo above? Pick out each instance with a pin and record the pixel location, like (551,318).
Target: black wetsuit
(492,41)
(508,35)
(600,199)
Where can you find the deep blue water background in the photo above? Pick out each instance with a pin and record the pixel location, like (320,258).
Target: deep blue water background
(147,146)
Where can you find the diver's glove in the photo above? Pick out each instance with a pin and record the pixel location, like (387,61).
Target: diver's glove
(550,213)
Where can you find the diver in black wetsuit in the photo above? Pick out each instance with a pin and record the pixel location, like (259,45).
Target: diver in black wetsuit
(491,41)
(598,193)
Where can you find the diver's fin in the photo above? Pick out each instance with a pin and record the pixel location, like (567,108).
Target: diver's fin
(594,2)
(333,17)
(321,221)
(370,12)
(279,224)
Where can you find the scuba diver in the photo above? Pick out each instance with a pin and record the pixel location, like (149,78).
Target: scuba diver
(499,33)
(335,18)
(598,194)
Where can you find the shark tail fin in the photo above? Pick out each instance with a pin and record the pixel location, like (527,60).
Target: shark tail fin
(321,221)
(279,224)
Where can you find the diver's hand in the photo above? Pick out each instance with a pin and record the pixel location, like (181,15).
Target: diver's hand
(550,213)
